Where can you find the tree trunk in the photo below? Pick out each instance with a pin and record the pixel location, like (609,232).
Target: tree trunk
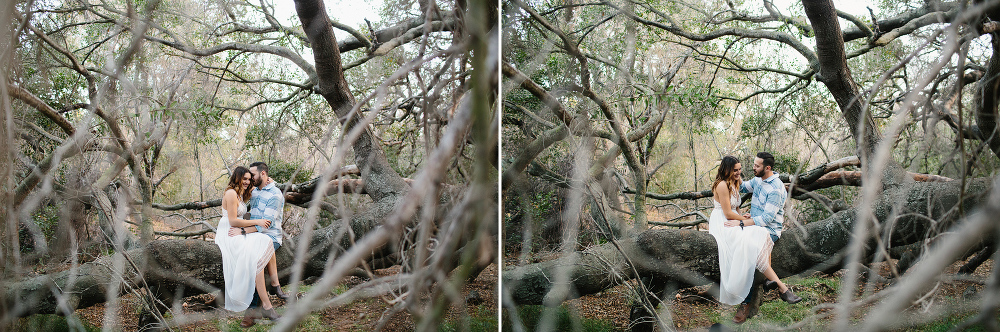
(986,97)
(836,75)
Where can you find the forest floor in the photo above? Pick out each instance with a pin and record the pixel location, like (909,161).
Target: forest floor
(694,310)
(360,315)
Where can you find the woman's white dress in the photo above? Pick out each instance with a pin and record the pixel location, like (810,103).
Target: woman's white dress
(243,256)
(741,250)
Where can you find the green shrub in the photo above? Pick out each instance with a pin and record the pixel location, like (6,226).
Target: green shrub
(531,315)
(282,171)
(54,323)
(480,320)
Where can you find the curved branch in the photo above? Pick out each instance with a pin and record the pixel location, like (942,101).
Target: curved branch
(46,110)
(892,23)
(352,43)
(777,36)
(232,46)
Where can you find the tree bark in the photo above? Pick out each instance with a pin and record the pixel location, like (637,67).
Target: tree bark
(836,75)
(987,98)
(381,180)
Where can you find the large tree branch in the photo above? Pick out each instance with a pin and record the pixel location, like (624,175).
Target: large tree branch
(401,28)
(822,176)
(689,257)
(296,194)
(987,99)
(836,75)
(381,180)
(944,9)
(233,46)
(532,150)
(46,110)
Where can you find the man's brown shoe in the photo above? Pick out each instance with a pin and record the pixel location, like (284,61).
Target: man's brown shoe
(277,291)
(742,313)
(248,321)
(249,318)
(790,297)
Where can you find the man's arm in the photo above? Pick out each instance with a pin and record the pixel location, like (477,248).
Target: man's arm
(746,187)
(771,206)
(272,210)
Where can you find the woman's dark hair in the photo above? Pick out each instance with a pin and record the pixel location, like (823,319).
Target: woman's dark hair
(235,183)
(726,173)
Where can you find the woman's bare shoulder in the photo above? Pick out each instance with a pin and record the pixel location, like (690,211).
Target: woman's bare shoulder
(721,187)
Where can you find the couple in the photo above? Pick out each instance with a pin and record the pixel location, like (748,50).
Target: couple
(745,241)
(248,245)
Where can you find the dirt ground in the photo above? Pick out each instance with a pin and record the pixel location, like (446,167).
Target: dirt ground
(693,310)
(360,315)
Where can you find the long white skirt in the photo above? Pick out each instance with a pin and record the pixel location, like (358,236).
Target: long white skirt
(243,256)
(740,252)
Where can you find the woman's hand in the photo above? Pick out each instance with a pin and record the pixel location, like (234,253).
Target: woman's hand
(264,223)
(234,231)
(732,223)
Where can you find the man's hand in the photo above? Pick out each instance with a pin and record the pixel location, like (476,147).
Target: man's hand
(234,231)
(732,223)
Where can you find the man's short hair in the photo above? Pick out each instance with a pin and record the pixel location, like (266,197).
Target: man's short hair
(768,159)
(262,167)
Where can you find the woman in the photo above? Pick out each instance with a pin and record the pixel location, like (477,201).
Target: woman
(244,252)
(741,249)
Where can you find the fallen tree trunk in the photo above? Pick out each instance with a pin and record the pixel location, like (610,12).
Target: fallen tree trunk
(688,257)
(172,269)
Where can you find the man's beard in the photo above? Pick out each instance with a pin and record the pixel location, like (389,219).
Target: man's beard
(759,174)
(257,182)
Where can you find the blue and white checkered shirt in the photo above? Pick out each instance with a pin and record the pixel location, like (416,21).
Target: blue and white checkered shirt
(767,207)
(267,204)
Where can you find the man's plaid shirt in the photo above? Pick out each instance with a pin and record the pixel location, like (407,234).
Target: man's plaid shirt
(268,203)
(767,207)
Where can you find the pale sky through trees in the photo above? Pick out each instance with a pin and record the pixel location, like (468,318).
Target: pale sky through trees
(352,13)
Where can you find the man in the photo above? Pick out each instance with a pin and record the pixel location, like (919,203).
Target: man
(767,209)
(266,202)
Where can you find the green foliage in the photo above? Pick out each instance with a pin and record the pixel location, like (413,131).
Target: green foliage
(566,320)
(199,118)
(946,324)
(480,320)
(812,210)
(755,123)
(283,171)
(47,219)
(701,104)
(787,163)
(311,322)
(542,205)
(260,134)
(774,312)
(53,323)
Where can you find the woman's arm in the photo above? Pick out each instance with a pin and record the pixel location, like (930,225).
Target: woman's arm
(723,190)
(247,223)
(234,231)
